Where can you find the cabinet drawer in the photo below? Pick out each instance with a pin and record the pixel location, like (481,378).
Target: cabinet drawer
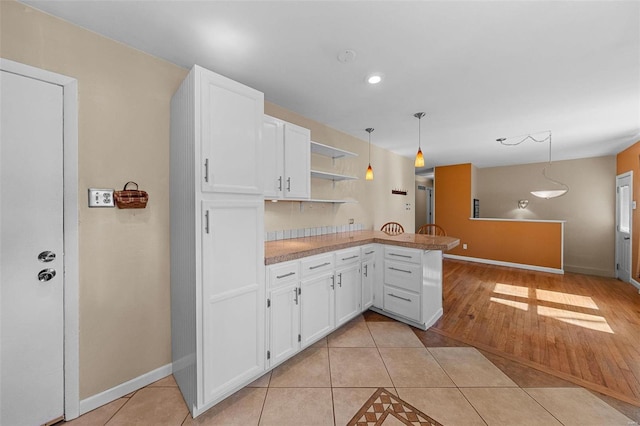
(368,252)
(404,303)
(403,275)
(347,256)
(403,254)
(317,264)
(283,273)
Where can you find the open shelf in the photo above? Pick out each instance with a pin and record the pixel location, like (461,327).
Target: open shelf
(330,176)
(312,200)
(329,151)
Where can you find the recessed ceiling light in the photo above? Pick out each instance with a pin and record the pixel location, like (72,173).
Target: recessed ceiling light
(374,79)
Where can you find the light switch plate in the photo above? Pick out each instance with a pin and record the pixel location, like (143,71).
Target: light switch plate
(101,198)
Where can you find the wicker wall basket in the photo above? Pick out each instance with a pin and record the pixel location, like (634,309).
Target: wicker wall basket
(131,198)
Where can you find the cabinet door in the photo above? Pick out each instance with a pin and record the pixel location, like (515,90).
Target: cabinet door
(297,161)
(273,152)
(233,295)
(230,130)
(368,275)
(284,323)
(347,293)
(317,316)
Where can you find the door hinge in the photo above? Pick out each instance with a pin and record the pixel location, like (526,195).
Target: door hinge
(268,303)
(299,338)
(268,354)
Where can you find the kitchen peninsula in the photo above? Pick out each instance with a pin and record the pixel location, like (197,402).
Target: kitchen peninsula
(316,284)
(291,249)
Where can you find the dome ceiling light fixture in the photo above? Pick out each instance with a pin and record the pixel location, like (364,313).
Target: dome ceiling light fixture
(560,188)
(369,174)
(419,157)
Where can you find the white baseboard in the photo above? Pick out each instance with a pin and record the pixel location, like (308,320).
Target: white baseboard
(635,283)
(123,389)
(509,264)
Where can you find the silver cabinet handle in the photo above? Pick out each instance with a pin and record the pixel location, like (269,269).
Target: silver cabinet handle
(206,170)
(398,297)
(399,270)
(333,282)
(295,294)
(350,257)
(366,270)
(280,183)
(340,282)
(369,252)
(320,266)
(400,255)
(289,184)
(206,221)
(285,275)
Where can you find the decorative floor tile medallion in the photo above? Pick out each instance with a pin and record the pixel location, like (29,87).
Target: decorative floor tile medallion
(384,404)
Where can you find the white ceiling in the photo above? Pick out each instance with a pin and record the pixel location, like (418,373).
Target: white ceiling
(479,69)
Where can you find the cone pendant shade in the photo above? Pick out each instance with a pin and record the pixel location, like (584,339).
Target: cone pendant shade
(369,174)
(419,159)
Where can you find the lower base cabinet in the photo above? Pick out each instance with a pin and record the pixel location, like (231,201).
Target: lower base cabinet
(317,317)
(310,297)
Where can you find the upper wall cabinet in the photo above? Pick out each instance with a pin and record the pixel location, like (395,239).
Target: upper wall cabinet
(230,121)
(287,160)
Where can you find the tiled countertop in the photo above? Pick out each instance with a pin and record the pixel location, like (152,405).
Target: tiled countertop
(284,250)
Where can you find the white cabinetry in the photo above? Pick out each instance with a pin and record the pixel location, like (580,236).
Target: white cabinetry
(368,273)
(287,159)
(283,304)
(348,300)
(412,285)
(217,232)
(317,309)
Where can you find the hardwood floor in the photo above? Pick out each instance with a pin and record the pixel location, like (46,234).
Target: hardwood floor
(581,328)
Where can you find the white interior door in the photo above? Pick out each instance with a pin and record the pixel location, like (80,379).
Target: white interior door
(31,234)
(624,206)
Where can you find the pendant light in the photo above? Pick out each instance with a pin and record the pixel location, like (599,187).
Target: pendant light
(369,174)
(556,191)
(419,157)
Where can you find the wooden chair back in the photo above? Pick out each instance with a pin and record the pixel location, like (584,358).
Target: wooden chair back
(392,228)
(432,229)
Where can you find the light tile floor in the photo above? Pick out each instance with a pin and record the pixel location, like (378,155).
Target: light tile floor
(327,383)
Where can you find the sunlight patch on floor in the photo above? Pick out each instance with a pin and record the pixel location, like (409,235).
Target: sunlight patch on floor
(592,322)
(511,290)
(566,299)
(518,305)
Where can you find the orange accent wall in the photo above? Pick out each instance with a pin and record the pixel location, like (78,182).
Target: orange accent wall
(529,243)
(629,160)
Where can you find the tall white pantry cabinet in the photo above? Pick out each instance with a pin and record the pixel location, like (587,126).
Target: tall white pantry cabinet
(217,237)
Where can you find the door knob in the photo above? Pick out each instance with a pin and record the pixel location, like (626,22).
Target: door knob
(47,256)
(46,275)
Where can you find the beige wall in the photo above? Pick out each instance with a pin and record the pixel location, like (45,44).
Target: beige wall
(588,207)
(123,135)
(375,204)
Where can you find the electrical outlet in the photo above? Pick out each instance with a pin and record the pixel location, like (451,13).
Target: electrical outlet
(464,247)
(101,197)
(351,221)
